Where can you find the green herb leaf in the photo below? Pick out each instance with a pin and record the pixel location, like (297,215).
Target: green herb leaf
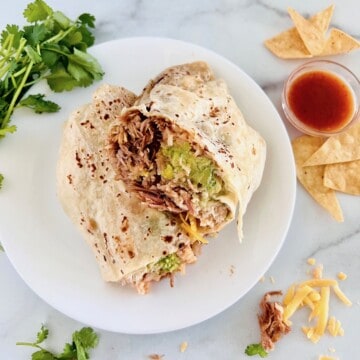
(35,34)
(51,47)
(1,183)
(62,20)
(84,67)
(84,340)
(43,355)
(256,349)
(39,105)
(60,80)
(87,19)
(11,32)
(69,352)
(42,334)
(37,11)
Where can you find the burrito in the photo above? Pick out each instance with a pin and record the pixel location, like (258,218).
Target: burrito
(184,148)
(132,242)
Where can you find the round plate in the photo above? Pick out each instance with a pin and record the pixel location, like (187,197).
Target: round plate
(53,259)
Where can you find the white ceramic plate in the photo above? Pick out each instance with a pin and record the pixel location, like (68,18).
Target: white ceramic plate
(54,260)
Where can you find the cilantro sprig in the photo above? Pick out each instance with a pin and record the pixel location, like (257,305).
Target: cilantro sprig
(52,47)
(82,341)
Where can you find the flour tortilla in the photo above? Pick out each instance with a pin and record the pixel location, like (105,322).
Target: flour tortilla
(124,234)
(190,97)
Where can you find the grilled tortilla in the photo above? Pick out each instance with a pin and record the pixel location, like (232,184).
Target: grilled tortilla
(185,148)
(133,243)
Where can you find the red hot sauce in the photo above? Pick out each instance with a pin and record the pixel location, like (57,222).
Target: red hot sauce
(321,101)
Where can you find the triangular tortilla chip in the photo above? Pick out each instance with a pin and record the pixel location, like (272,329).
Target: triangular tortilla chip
(338,148)
(312,177)
(311,35)
(322,19)
(344,177)
(289,45)
(339,43)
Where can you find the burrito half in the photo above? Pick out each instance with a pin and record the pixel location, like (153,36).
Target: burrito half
(133,243)
(185,148)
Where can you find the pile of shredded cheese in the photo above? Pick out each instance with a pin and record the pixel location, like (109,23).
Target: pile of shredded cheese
(315,294)
(190,226)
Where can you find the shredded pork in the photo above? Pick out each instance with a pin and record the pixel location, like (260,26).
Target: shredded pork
(135,144)
(272,326)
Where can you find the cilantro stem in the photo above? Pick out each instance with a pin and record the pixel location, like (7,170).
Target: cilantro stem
(59,36)
(17,94)
(24,343)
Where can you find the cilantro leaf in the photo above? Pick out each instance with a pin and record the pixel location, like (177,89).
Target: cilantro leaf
(87,19)
(83,66)
(62,20)
(43,355)
(69,352)
(12,32)
(88,38)
(83,340)
(42,334)
(50,46)
(35,34)
(37,11)
(39,105)
(73,38)
(60,80)
(256,349)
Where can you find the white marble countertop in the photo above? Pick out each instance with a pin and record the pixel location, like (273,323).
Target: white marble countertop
(236,30)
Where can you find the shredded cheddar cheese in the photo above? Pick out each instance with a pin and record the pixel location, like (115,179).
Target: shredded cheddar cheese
(319,282)
(341,276)
(192,229)
(334,327)
(323,311)
(183,346)
(289,295)
(311,261)
(314,294)
(341,295)
(294,304)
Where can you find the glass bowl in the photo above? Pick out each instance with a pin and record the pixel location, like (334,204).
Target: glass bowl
(296,112)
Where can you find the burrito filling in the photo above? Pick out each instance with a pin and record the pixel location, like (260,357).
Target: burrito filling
(167,266)
(167,170)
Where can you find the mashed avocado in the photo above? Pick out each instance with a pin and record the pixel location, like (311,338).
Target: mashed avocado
(168,264)
(181,159)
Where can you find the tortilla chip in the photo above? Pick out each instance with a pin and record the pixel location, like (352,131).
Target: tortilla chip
(338,148)
(322,19)
(311,35)
(289,45)
(339,43)
(344,177)
(312,177)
